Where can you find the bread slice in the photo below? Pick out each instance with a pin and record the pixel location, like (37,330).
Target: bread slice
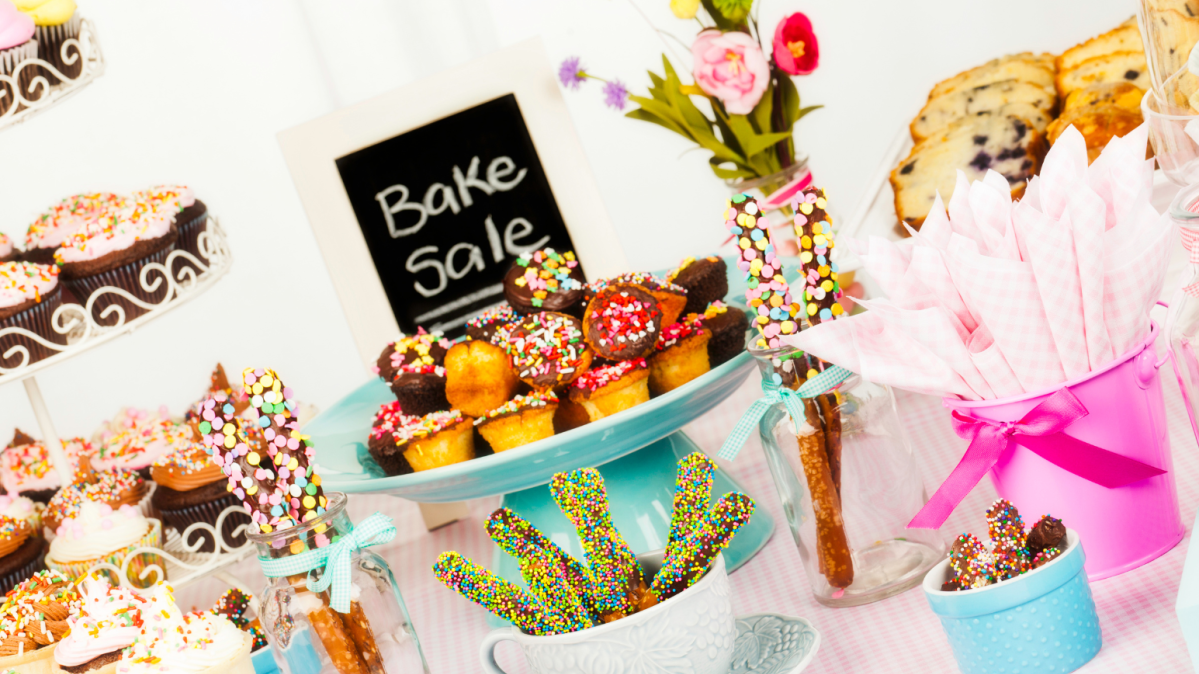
(1124,38)
(1028,100)
(1189,8)
(1123,66)
(1006,144)
(1173,35)
(1121,94)
(1098,124)
(1027,67)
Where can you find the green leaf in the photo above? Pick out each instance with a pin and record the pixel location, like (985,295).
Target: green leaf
(734,10)
(804,112)
(790,101)
(721,22)
(729,138)
(759,117)
(729,173)
(638,113)
(753,143)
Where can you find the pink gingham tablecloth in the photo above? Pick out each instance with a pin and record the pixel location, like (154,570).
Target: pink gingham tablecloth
(900,634)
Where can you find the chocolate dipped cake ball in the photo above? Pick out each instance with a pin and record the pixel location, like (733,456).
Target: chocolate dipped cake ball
(1048,532)
(545,280)
(547,350)
(622,322)
(414,367)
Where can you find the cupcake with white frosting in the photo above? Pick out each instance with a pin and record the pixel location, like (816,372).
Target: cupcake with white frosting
(98,533)
(29,295)
(172,641)
(108,620)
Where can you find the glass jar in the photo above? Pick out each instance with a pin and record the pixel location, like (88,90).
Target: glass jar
(875,490)
(782,234)
(308,637)
(1182,321)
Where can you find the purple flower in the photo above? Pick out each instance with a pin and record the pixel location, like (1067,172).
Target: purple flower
(570,73)
(615,94)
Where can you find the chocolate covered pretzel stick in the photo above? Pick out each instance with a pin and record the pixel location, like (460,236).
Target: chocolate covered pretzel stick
(773,311)
(619,584)
(692,493)
(497,595)
(694,555)
(522,540)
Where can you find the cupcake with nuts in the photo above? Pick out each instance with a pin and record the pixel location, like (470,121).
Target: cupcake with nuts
(33,620)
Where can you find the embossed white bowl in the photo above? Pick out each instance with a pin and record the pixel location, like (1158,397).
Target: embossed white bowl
(692,632)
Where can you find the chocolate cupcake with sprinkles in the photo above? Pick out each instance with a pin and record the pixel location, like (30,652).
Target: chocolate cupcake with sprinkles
(7,252)
(545,280)
(671,298)
(54,227)
(622,322)
(193,490)
(414,367)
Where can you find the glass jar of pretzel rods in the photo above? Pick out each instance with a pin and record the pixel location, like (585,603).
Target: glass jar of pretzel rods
(848,483)
(306,626)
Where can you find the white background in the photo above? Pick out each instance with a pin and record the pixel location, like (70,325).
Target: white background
(196,91)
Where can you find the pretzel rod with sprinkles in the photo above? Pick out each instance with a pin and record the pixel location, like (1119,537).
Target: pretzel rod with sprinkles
(497,595)
(692,493)
(618,580)
(768,294)
(522,540)
(693,557)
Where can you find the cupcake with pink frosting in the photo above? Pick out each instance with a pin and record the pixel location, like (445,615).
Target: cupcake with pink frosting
(136,438)
(27,470)
(16,46)
(113,250)
(107,621)
(191,218)
(29,296)
(8,253)
(59,222)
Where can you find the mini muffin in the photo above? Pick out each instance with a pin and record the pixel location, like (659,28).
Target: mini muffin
(478,378)
(414,366)
(382,440)
(192,489)
(22,550)
(547,350)
(26,463)
(604,391)
(570,415)
(112,487)
(520,421)
(52,228)
(545,280)
(190,216)
(681,355)
(706,281)
(622,322)
(112,251)
(728,326)
(7,252)
(437,439)
(486,325)
(671,298)
(134,439)
(29,296)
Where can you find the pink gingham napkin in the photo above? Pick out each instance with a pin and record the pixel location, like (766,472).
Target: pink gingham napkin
(988,360)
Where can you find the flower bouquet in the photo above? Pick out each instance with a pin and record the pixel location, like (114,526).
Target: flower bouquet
(753,101)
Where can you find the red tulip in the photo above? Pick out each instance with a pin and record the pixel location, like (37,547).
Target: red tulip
(796,51)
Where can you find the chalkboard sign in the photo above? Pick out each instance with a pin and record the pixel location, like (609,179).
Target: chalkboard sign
(447,207)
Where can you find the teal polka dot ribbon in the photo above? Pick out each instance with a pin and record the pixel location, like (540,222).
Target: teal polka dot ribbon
(773,395)
(336,559)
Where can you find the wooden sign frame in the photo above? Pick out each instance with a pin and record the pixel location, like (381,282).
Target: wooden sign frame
(311,151)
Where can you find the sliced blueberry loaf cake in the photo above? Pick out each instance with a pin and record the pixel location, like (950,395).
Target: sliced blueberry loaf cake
(1022,99)
(1027,67)
(1006,144)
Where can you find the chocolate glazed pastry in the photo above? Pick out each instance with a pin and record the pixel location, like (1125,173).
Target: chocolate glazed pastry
(728,326)
(706,280)
(545,280)
(622,322)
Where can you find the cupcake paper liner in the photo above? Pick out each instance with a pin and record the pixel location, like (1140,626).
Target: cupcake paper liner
(125,277)
(40,661)
(10,60)
(189,242)
(51,39)
(209,513)
(38,319)
(152,539)
(9,580)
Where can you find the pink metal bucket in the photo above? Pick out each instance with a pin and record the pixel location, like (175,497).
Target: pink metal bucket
(1122,527)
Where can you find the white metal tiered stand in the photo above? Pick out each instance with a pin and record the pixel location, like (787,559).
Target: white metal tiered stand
(51,86)
(85,330)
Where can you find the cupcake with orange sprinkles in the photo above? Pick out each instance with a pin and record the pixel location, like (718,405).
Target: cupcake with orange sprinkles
(520,421)
(112,250)
(52,228)
(22,551)
(135,438)
(680,356)
(112,487)
(29,296)
(27,468)
(604,391)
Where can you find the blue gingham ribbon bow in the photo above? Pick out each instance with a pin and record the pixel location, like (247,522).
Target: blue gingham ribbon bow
(774,393)
(336,559)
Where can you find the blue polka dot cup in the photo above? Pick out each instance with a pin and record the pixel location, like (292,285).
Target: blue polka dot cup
(1043,621)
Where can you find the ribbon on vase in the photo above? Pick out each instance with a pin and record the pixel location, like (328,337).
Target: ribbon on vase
(1190,241)
(1041,430)
(336,560)
(772,394)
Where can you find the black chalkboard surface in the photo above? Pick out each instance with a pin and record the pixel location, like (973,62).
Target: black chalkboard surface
(447,207)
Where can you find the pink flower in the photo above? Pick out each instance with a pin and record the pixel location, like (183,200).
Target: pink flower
(796,51)
(730,67)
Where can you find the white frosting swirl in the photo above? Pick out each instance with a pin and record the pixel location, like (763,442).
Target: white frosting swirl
(173,642)
(109,619)
(21,282)
(97,531)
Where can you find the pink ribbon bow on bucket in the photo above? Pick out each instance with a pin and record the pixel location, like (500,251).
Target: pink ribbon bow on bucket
(1040,430)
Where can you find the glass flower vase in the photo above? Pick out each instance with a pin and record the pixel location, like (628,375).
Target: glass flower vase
(308,637)
(852,454)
